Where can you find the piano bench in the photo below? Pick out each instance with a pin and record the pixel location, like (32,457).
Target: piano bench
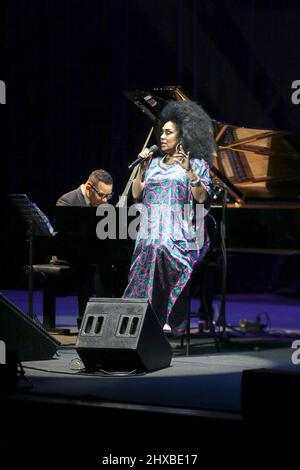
(56,281)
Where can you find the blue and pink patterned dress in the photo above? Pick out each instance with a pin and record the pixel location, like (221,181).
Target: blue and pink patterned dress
(169,243)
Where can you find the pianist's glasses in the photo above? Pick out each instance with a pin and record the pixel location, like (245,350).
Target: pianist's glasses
(101,194)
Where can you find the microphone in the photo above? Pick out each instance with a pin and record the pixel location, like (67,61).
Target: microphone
(153,149)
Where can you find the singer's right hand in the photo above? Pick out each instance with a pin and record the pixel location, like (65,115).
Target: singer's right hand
(145,154)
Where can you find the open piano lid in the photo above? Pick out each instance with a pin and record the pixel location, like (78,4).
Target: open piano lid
(258,165)
(151,102)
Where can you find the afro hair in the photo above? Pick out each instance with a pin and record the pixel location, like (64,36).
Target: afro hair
(194,126)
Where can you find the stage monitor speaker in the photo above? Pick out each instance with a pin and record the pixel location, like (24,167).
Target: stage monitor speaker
(22,336)
(269,395)
(122,335)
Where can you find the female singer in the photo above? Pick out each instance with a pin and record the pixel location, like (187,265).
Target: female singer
(169,243)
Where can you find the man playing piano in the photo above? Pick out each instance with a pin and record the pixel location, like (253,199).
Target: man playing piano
(95,191)
(90,277)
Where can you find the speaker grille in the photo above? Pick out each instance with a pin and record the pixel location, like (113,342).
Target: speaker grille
(128,325)
(93,325)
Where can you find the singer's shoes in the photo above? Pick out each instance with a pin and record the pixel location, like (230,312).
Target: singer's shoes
(180,329)
(167,328)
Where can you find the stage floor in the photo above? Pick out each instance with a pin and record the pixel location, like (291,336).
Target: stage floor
(208,379)
(205,380)
(192,407)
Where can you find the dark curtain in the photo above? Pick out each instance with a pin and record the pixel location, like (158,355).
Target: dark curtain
(68,62)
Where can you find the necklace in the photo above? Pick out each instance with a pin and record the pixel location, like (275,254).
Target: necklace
(164,165)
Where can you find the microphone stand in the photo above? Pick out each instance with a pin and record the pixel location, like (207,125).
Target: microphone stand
(123,198)
(224,336)
(221,321)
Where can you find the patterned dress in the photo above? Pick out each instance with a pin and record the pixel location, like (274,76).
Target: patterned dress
(170,242)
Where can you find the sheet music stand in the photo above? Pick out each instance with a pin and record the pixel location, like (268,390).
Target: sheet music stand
(37,225)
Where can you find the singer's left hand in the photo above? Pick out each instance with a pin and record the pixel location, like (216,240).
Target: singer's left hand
(182,157)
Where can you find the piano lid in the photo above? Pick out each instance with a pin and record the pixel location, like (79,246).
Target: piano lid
(257,165)
(151,102)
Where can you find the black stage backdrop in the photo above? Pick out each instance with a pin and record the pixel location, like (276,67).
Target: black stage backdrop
(68,62)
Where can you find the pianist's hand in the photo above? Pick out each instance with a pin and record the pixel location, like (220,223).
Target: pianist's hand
(182,157)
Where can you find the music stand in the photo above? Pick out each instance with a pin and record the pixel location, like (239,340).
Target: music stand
(37,225)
